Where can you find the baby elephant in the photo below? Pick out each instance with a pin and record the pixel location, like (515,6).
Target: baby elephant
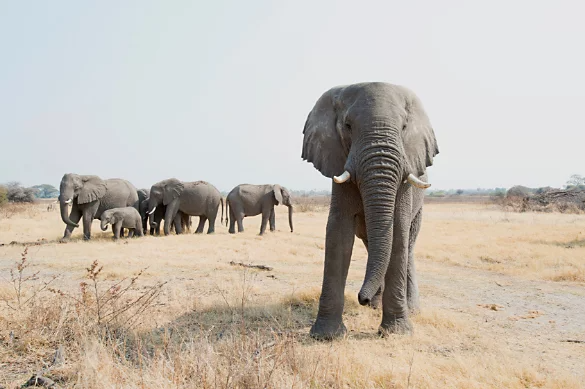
(127,217)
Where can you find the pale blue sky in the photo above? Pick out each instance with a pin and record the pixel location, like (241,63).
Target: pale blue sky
(232,83)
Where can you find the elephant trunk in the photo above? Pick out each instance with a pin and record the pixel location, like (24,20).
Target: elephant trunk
(104,225)
(64,204)
(290,213)
(379,178)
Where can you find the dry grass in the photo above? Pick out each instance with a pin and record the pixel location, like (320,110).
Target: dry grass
(216,325)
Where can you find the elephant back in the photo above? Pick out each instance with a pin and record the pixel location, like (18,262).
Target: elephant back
(120,193)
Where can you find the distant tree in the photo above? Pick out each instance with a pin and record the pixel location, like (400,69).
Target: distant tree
(46,191)
(16,193)
(576,181)
(459,192)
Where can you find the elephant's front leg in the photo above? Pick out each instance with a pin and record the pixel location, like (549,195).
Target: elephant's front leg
(412,295)
(265,217)
(75,217)
(170,215)
(88,215)
(272,220)
(394,304)
(117,227)
(339,240)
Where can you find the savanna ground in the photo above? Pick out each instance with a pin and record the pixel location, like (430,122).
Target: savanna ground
(502,298)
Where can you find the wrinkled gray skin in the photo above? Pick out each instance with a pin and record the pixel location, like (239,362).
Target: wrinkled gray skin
(119,218)
(251,200)
(89,197)
(380,134)
(198,198)
(143,195)
(159,215)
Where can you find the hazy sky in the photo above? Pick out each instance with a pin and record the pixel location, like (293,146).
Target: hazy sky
(217,90)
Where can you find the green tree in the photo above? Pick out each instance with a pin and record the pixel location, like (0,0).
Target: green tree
(46,191)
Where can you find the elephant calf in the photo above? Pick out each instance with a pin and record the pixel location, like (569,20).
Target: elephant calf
(119,218)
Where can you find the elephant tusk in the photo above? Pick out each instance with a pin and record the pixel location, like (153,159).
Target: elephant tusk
(342,178)
(417,182)
(151,212)
(68,201)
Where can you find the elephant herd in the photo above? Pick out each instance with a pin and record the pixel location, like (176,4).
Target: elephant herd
(374,140)
(118,203)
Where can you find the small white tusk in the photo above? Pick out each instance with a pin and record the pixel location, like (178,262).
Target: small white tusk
(68,201)
(342,178)
(417,182)
(151,212)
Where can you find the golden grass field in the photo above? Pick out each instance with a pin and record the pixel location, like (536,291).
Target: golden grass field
(501,294)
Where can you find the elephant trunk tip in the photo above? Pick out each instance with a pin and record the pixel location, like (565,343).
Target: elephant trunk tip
(367,293)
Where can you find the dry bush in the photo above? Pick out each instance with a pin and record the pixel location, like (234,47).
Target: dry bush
(312,204)
(9,210)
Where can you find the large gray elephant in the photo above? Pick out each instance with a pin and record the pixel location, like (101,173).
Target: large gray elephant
(379,140)
(251,200)
(198,198)
(89,197)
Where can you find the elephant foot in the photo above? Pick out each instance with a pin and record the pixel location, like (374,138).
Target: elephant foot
(64,239)
(86,237)
(232,231)
(327,329)
(396,325)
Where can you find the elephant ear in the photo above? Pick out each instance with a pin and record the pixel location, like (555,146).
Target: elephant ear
(419,140)
(94,188)
(172,189)
(325,142)
(277,191)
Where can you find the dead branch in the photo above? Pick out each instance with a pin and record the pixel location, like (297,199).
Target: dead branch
(260,267)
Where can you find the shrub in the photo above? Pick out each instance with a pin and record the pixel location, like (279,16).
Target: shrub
(3,195)
(17,193)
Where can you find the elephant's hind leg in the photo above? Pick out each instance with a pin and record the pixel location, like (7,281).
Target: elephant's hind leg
(211,227)
(130,232)
(201,226)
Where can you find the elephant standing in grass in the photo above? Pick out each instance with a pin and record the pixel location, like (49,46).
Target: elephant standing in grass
(251,200)
(158,216)
(198,198)
(120,218)
(89,197)
(378,139)
(143,195)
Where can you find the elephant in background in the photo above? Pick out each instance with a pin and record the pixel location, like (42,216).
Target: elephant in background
(120,218)
(251,200)
(143,195)
(89,197)
(159,215)
(198,198)
(379,140)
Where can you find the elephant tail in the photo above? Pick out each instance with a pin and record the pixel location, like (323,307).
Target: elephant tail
(227,203)
(221,201)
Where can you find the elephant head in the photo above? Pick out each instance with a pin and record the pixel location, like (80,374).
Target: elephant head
(76,189)
(108,217)
(282,196)
(164,192)
(375,136)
